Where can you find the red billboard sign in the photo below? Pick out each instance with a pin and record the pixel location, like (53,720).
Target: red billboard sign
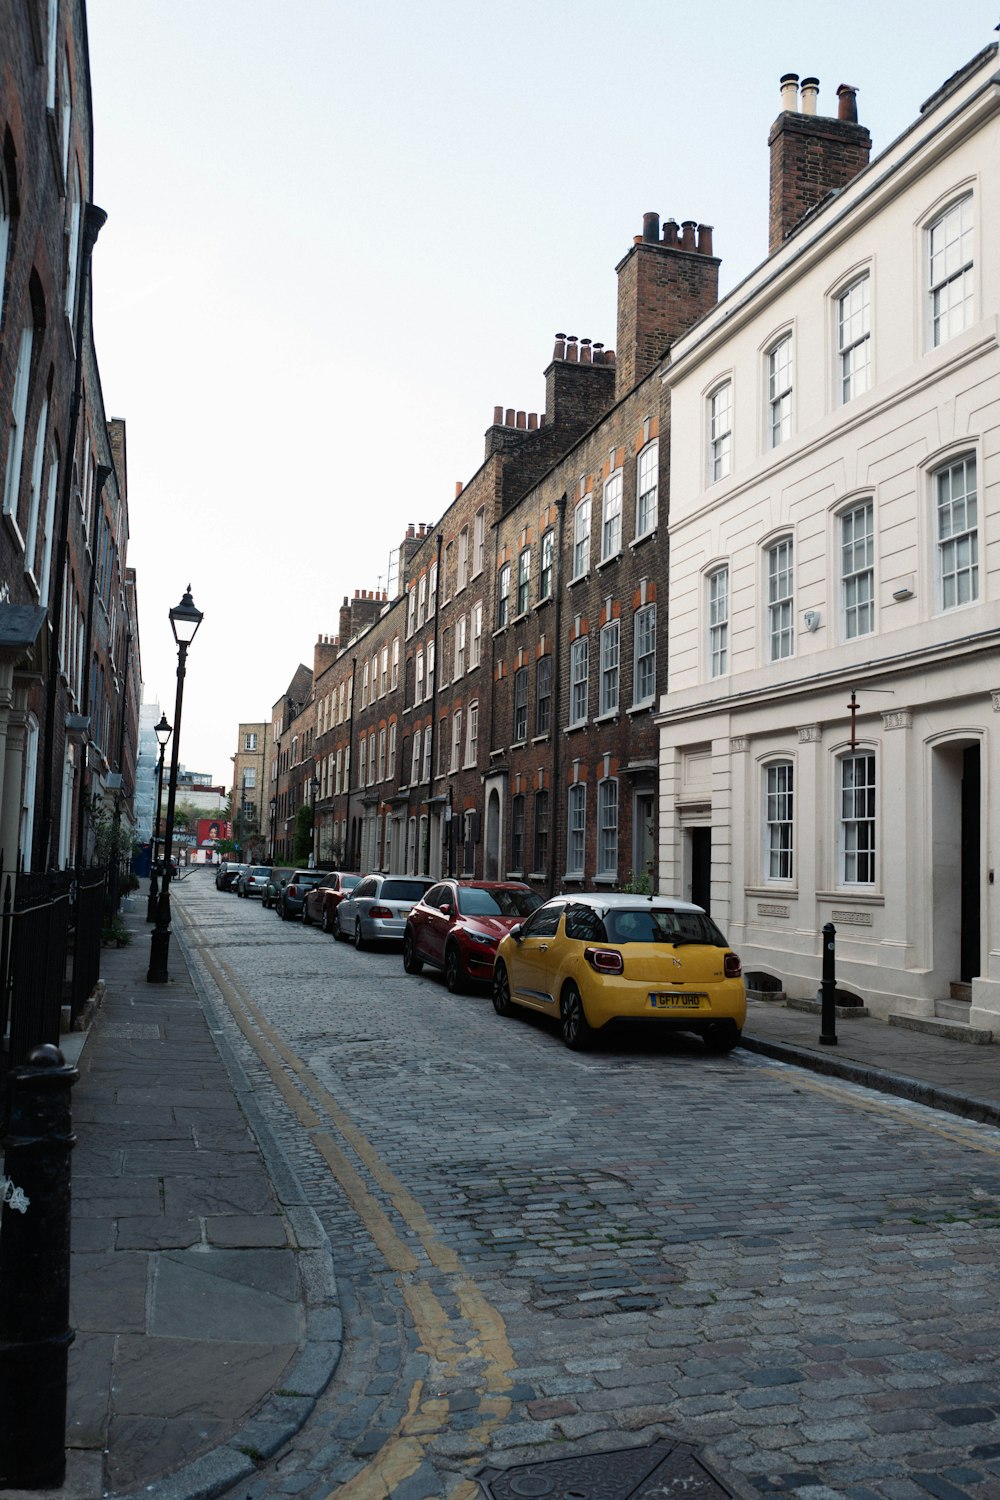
(211,830)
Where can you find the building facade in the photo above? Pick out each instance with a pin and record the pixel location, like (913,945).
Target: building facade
(829,746)
(69,644)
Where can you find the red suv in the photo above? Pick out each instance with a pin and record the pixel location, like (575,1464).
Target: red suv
(458,924)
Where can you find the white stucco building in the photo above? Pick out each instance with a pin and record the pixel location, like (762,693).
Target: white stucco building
(835,531)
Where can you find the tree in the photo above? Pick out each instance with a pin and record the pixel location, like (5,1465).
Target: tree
(303,842)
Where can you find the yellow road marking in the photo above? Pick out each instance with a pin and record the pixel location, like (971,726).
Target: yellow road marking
(426,1418)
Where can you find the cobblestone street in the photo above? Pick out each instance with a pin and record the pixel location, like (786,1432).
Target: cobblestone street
(540,1253)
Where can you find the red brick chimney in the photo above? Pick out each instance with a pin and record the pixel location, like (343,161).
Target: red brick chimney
(811,155)
(664,286)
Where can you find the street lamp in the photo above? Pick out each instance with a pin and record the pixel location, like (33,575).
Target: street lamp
(184,621)
(273,809)
(314,788)
(163,731)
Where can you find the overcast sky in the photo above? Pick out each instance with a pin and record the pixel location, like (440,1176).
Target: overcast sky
(340,233)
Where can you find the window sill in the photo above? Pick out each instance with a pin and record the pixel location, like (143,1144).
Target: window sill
(540,739)
(647,536)
(517,745)
(543,602)
(575,728)
(522,615)
(789,892)
(499,631)
(641,708)
(606,562)
(606,879)
(515,874)
(859,893)
(575,877)
(580,578)
(608,718)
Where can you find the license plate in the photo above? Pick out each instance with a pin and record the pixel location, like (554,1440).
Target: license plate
(403,914)
(661,1001)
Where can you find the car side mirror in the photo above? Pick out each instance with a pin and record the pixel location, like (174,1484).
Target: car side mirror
(447,908)
(516,932)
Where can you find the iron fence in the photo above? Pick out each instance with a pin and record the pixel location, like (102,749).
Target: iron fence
(50,947)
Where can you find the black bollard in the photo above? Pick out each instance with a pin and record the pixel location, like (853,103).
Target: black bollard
(828,1032)
(34,1273)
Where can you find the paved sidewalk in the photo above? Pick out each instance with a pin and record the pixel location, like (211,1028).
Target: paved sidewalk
(203,1295)
(933,1070)
(202,1291)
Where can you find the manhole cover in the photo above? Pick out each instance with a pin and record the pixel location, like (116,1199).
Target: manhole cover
(665,1468)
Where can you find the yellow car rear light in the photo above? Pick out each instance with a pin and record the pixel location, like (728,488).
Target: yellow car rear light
(731,966)
(604,960)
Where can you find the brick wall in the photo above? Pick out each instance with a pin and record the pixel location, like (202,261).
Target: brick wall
(811,156)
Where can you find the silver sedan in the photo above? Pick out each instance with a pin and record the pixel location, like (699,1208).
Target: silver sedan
(377,908)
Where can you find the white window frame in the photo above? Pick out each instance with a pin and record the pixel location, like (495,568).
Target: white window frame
(611,516)
(520,700)
(581,538)
(35,493)
(456,740)
(717,585)
(463,560)
(371,758)
(853,332)
(576,830)
(546,570)
(644,656)
(857,803)
(394,680)
(476,643)
(415,759)
(418,678)
(607,827)
(428,748)
(523,598)
(856,527)
(472,733)
(18,421)
(579,675)
(503,597)
(381,753)
(421,599)
(778,810)
(5,214)
(950,270)
(720,432)
(390,765)
(779,570)
(780,387)
(610,686)
(543,700)
(479,541)
(517,822)
(956,532)
(411,611)
(460,639)
(647,481)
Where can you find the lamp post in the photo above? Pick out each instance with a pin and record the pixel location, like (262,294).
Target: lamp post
(273,809)
(184,621)
(314,788)
(163,731)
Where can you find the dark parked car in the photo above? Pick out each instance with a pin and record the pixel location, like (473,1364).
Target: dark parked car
(322,901)
(293,893)
(377,908)
(226,875)
(458,924)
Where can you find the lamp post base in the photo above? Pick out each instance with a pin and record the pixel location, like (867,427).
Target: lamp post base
(159,954)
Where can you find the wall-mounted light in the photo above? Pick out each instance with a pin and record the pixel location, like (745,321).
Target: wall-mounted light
(905,592)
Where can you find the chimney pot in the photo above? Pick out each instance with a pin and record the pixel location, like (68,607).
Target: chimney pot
(497,415)
(651,227)
(509,418)
(522,419)
(847,103)
(790,92)
(687,234)
(810,94)
(572,353)
(458,488)
(670,232)
(704,239)
(559,352)
(585,356)
(532,421)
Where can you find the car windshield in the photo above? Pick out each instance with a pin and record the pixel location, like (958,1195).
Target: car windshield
(260,870)
(348,882)
(474,901)
(402,890)
(647,925)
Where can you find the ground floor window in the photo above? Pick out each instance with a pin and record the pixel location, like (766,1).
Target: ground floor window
(857,819)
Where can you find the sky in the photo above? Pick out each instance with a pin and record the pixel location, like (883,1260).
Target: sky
(340,232)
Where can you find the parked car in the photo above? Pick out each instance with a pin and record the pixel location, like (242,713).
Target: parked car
(293,893)
(326,895)
(252,880)
(377,908)
(275,881)
(591,959)
(458,924)
(226,875)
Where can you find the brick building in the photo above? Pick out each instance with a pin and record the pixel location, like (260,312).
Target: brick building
(69,646)
(251,801)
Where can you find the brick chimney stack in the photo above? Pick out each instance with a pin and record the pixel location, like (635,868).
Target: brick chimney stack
(811,154)
(665,284)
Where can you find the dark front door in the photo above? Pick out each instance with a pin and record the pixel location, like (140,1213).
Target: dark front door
(970,864)
(701,867)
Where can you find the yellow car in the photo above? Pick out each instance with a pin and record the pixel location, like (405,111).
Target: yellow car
(591,959)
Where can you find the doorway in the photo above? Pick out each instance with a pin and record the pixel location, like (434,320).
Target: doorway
(969,957)
(701,866)
(956,862)
(644,836)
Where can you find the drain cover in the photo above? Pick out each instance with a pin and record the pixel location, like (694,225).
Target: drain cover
(654,1473)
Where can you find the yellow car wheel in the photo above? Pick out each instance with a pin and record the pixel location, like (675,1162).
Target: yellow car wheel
(501,990)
